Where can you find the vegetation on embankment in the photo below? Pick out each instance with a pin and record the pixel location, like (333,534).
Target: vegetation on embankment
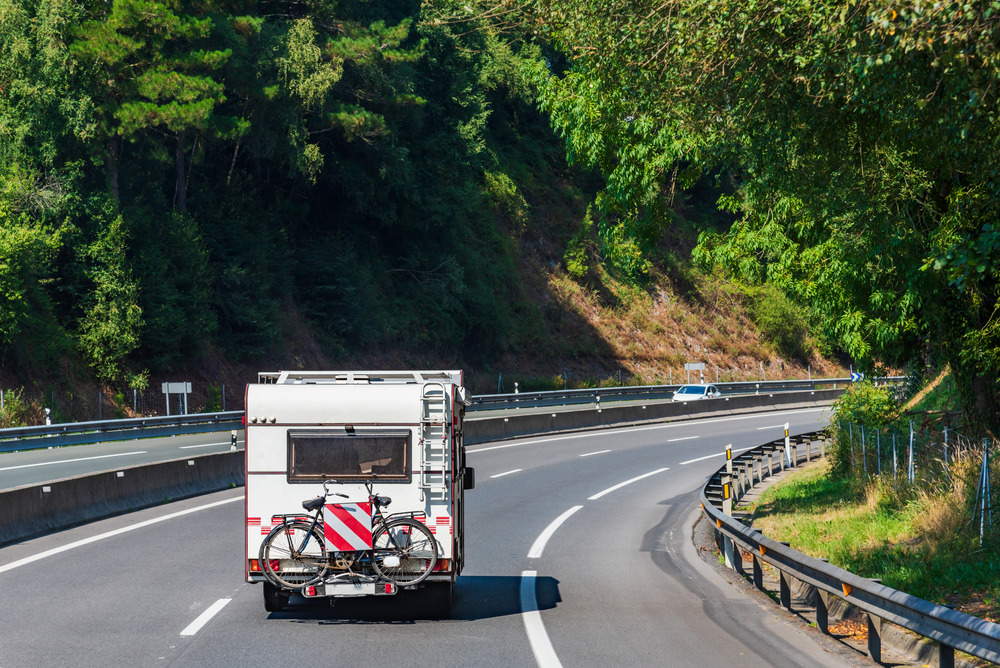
(922,537)
(212,190)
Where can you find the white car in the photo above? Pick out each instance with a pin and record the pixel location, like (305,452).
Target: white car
(694,392)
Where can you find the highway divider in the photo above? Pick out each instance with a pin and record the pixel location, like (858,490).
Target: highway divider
(36,509)
(33,510)
(484,427)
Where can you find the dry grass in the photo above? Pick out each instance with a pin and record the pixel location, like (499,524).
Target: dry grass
(653,332)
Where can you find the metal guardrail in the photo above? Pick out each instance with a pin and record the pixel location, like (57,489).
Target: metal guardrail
(950,628)
(77,433)
(647,393)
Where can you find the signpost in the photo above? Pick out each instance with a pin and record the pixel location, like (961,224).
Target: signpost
(177,388)
(695,366)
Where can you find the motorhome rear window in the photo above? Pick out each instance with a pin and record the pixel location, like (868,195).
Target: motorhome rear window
(318,456)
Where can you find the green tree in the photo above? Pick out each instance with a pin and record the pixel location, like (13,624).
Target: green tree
(112,320)
(862,138)
(150,66)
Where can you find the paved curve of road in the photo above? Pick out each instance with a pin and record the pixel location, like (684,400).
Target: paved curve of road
(579,554)
(33,467)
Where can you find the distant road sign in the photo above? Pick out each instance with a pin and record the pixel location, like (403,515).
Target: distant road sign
(855,377)
(694,366)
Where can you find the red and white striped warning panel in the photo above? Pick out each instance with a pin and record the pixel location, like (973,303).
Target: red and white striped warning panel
(347,526)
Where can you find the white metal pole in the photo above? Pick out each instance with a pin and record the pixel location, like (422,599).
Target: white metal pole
(910,472)
(788,447)
(946,450)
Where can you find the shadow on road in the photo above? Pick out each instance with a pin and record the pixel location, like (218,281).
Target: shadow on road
(476,597)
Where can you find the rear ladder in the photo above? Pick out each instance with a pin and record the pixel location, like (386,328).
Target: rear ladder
(434,456)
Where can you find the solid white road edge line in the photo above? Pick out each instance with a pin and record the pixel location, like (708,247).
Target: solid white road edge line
(204,445)
(777,426)
(93,539)
(599,452)
(717,454)
(70,461)
(500,475)
(541,646)
(683,423)
(543,538)
(622,484)
(203,618)
(683,438)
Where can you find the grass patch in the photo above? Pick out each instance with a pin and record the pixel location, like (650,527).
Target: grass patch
(880,530)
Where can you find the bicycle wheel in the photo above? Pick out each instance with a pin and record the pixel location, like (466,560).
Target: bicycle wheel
(294,555)
(404,551)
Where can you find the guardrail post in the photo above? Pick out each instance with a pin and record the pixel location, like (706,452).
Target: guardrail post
(809,443)
(785,588)
(732,554)
(737,558)
(778,446)
(770,463)
(784,591)
(758,573)
(874,637)
(823,611)
(946,656)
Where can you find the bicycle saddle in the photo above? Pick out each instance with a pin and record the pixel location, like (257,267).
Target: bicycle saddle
(383,500)
(313,504)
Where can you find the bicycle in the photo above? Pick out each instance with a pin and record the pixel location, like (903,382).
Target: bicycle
(294,554)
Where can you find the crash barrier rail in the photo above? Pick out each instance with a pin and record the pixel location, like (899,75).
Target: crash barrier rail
(485,426)
(99,431)
(952,630)
(38,508)
(487,402)
(78,433)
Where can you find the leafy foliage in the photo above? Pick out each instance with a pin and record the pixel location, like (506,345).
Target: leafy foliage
(177,178)
(862,138)
(780,320)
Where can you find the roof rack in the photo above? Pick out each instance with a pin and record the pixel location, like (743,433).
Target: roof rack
(355,377)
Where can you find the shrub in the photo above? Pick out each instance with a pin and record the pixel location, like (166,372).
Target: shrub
(16,411)
(864,403)
(780,321)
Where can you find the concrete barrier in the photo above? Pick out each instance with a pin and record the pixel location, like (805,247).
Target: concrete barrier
(33,510)
(519,423)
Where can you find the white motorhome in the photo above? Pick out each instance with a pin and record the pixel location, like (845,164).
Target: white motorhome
(398,431)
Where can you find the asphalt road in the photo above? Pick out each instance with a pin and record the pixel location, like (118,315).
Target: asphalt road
(31,467)
(616,583)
